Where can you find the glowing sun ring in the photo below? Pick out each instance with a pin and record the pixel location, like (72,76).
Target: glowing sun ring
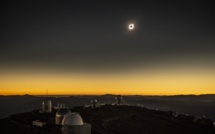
(131,26)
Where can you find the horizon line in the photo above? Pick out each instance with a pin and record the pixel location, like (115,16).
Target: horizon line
(105,94)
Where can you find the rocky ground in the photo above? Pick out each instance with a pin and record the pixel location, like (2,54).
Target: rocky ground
(110,119)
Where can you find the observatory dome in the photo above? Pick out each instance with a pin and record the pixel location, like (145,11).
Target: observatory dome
(63,112)
(72,120)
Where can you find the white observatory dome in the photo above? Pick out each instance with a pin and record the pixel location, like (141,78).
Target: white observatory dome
(61,114)
(72,120)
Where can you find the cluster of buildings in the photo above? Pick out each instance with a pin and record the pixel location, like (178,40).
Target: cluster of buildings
(119,100)
(70,122)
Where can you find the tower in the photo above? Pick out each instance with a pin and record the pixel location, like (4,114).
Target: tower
(46,104)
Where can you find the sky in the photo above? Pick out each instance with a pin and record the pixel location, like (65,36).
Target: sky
(85,47)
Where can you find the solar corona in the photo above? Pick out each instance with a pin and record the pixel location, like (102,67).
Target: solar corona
(131,26)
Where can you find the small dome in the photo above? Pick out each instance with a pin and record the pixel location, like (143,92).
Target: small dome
(72,119)
(63,112)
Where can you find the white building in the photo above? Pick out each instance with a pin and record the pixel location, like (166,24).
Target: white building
(72,119)
(73,124)
(46,106)
(120,100)
(59,106)
(61,114)
(94,103)
(38,123)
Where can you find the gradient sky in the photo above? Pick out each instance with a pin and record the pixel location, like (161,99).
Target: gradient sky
(85,47)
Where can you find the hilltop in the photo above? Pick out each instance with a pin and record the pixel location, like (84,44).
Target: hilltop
(110,119)
(199,105)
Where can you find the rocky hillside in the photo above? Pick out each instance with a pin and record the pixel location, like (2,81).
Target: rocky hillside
(110,119)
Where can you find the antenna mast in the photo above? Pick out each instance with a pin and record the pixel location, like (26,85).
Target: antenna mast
(46,92)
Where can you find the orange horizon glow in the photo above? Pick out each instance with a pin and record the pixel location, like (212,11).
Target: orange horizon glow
(96,94)
(160,82)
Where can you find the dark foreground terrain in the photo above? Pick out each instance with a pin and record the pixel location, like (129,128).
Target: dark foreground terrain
(110,119)
(201,105)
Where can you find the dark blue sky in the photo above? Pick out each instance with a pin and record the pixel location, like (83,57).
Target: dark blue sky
(94,34)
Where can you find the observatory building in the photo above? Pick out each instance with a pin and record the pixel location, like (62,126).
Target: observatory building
(61,114)
(94,103)
(119,100)
(73,124)
(46,106)
(59,106)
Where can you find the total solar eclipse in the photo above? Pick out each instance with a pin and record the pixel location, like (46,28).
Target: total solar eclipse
(131,26)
